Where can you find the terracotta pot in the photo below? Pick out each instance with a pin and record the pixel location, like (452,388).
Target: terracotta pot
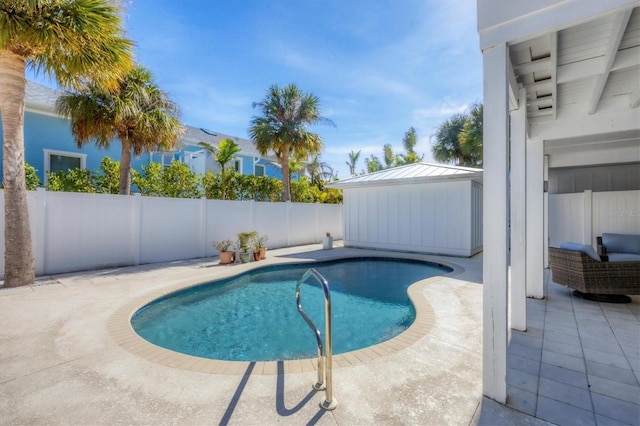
(256,255)
(263,253)
(227,257)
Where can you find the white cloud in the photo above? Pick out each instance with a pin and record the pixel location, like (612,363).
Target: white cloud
(226,110)
(445,111)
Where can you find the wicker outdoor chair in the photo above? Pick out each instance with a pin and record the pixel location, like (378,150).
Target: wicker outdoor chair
(580,272)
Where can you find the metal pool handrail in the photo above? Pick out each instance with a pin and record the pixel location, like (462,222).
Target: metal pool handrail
(324,352)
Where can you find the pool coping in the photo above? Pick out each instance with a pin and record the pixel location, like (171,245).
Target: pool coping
(124,336)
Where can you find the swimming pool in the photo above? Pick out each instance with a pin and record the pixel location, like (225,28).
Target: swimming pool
(253,316)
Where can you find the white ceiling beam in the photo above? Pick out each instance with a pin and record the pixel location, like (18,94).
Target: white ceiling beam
(513,87)
(534,66)
(634,99)
(534,113)
(553,49)
(544,85)
(548,101)
(619,26)
(625,59)
(580,126)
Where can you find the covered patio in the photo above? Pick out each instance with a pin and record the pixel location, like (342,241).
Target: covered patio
(561,117)
(578,362)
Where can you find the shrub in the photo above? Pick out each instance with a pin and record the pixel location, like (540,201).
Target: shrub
(31,177)
(74,180)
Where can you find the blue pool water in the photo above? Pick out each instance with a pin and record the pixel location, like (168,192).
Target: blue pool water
(253,317)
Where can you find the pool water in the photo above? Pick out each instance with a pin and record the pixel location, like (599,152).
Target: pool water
(253,317)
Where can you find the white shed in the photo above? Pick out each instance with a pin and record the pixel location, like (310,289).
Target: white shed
(420,207)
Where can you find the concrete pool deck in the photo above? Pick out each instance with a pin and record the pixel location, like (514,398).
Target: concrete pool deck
(66,357)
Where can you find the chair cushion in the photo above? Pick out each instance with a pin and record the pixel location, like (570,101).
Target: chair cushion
(624,257)
(584,248)
(621,243)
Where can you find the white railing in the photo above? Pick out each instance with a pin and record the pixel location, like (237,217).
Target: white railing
(75,231)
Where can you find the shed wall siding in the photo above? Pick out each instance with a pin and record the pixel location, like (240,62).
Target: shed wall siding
(476,217)
(437,217)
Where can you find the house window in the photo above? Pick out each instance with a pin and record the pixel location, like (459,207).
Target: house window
(259,170)
(61,161)
(237,165)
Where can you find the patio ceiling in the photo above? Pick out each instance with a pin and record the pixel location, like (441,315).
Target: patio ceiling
(577,75)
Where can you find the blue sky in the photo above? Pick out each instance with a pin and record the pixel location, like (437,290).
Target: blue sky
(378,67)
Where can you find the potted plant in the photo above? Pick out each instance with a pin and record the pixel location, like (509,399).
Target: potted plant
(244,239)
(225,249)
(259,249)
(327,241)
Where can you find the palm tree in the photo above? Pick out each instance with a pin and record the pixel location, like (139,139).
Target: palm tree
(390,159)
(281,128)
(410,140)
(409,158)
(459,139)
(137,113)
(296,167)
(447,147)
(223,153)
(470,136)
(71,41)
(373,164)
(353,160)
(319,171)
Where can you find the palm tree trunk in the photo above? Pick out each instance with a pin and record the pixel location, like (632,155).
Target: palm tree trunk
(286,175)
(125,167)
(19,268)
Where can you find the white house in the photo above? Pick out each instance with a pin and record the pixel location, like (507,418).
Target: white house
(421,207)
(561,91)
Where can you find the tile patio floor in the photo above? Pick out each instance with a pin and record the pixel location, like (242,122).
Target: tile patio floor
(578,363)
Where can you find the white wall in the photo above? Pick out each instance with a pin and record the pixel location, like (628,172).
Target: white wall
(428,218)
(584,216)
(73,231)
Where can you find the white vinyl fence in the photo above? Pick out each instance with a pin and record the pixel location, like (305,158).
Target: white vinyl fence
(75,231)
(583,216)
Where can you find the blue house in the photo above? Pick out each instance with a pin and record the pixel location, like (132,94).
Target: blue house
(50,146)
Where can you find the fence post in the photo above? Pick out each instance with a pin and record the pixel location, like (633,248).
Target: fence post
(136,234)
(587,223)
(318,238)
(203,226)
(288,223)
(252,214)
(39,232)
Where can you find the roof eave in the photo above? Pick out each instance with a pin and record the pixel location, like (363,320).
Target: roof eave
(475,176)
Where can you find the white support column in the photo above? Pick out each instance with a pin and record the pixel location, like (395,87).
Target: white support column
(587,236)
(545,209)
(518,295)
(535,218)
(495,202)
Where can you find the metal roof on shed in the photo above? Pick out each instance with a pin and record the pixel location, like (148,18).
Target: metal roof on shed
(416,172)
